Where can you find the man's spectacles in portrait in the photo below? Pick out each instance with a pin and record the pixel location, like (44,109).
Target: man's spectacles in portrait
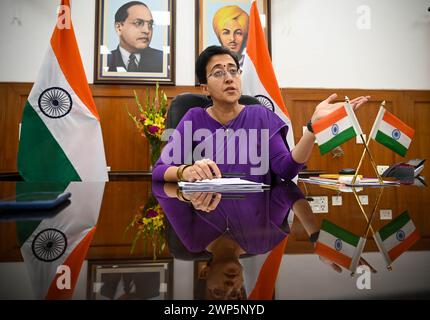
(140,23)
(219,74)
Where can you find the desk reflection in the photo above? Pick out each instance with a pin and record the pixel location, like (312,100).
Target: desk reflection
(245,246)
(222,228)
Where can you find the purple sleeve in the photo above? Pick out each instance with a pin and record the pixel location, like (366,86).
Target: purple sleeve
(281,160)
(160,167)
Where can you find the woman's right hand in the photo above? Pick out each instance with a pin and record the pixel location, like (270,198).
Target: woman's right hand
(201,170)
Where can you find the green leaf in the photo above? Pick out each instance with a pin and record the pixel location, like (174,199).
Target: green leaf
(133,117)
(148,105)
(133,244)
(136,98)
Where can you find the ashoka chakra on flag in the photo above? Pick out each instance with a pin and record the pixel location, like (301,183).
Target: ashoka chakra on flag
(266,102)
(55,102)
(49,245)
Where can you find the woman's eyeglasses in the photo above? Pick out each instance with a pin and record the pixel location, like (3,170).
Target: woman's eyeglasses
(219,74)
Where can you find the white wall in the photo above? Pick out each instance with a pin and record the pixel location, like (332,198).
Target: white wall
(318,44)
(183,274)
(23,46)
(314,43)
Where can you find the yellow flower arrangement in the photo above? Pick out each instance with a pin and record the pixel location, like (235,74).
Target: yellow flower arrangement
(150,121)
(150,225)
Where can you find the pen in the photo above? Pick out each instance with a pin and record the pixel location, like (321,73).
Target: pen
(232,174)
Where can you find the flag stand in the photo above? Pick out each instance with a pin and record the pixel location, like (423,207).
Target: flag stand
(366,150)
(369,221)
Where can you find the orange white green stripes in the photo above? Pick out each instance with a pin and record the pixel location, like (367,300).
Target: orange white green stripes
(396,237)
(339,245)
(258,78)
(391,132)
(336,128)
(62,240)
(61,138)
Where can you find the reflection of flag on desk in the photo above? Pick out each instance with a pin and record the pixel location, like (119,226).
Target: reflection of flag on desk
(339,245)
(396,237)
(336,128)
(392,132)
(61,241)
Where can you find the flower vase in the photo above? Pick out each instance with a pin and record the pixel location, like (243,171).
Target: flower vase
(154,152)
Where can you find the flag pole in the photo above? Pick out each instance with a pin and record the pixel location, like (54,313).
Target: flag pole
(366,149)
(369,226)
(373,211)
(361,206)
(359,164)
(369,221)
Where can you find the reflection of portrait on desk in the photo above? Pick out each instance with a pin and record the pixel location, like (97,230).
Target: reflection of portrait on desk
(130,286)
(134,27)
(234,229)
(230,24)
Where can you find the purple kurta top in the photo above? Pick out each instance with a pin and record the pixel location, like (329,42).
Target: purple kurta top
(253,131)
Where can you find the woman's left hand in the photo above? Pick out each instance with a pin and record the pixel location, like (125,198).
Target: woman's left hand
(328,106)
(204,201)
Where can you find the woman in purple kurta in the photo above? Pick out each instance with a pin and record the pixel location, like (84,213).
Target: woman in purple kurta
(254,134)
(280,161)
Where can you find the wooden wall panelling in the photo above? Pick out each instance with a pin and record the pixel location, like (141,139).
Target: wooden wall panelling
(126,151)
(418,104)
(13,98)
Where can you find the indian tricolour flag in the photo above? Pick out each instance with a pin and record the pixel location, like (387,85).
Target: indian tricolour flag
(336,128)
(396,237)
(54,249)
(259,79)
(339,245)
(61,138)
(392,132)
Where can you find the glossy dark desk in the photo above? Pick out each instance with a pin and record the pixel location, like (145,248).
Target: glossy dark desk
(105,263)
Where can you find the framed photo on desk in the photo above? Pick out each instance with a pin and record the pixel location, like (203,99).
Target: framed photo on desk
(134,43)
(130,280)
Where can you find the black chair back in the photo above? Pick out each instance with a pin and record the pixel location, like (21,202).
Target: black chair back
(185,101)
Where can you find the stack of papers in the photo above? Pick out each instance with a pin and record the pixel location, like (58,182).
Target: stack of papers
(230,185)
(347,181)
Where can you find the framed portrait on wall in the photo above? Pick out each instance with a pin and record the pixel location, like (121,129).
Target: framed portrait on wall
(130,280)
(134,41)
(225,23)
